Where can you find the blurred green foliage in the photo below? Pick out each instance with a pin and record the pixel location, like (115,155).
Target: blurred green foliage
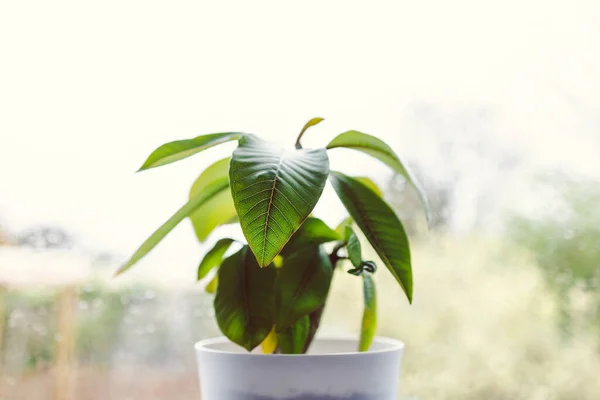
(98,326)
(564,237)
(18,307)
(106,319)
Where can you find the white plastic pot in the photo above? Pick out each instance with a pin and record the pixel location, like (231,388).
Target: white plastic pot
(332,370)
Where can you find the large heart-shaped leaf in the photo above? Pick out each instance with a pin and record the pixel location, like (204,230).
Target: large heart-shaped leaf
(180,149)
(381,226)
(312,232)
(369,319)
(214,257)
(219,210)
(379,149)
(274,190)
(293,339)
(244,299)
(211,190)
(302,285)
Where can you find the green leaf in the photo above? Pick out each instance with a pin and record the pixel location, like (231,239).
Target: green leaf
(379,149)
(180,149)
(302,285)
(353,247)
(341,228)
(370,184)
(369,319)
(244,300)
(381,226)
(315,320)
(274,191)
(192,205)
(312,232)
(214,257)
(219,210)
(293,339)
(212,285)
(309,124)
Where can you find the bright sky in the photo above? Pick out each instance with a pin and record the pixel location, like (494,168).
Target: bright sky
(89,89)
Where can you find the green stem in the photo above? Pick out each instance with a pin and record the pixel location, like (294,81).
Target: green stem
(310,123)
(315,316)
(298,145)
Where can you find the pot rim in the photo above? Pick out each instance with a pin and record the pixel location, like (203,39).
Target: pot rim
(390,345)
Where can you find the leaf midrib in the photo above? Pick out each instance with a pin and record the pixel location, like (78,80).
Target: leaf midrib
(269,206)
(370,230)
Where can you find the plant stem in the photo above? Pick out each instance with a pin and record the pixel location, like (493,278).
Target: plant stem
(315,316)
(298,145)
(310,123)
(334,257)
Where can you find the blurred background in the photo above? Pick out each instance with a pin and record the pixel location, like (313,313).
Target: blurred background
(495,105)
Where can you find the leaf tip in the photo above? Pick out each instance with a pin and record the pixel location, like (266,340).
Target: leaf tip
(249,346)
(269,344)
(147,164)
(428,219)
(264,262)
(125,267)
(120,270)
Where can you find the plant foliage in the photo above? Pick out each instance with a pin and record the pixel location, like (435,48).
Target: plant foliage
(273,291)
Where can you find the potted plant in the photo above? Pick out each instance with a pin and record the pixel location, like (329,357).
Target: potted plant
(270,294)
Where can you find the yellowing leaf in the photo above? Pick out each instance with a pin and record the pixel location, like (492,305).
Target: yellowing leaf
(370,184)
(212,285)
(369,320)
(218,210)
(309,124)
(269,345)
